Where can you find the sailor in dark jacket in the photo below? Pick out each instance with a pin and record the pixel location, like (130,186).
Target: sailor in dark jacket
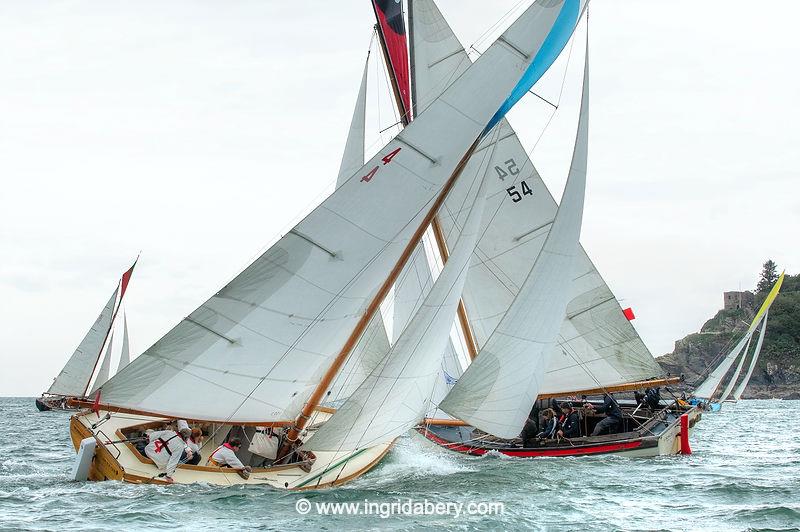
(571,425)
(610,423)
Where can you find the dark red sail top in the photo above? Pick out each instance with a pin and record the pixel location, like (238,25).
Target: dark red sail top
(393,29)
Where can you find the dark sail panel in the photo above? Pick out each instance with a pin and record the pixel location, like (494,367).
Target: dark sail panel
(393,31)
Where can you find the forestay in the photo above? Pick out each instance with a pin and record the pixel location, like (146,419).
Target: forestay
(395,396)
(497,391)
(598,346)
(74,378)
(259,346)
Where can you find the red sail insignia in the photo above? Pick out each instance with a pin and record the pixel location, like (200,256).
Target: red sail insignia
(393,29)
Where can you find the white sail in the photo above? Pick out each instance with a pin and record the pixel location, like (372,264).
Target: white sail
(598,346)
(497,391)
(740,389)
(74,378)
(260,345)
(353,156)
(105,367)
(736,372)
(709,386)
(396,395)
(125,354)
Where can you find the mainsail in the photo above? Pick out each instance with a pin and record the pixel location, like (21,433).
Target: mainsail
(497,391)
(736,372)
(395,396)
(709,387)
(598,346)
(265,340)
(740,389)
(77,372)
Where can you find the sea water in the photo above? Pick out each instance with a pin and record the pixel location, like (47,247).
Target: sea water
(744,474)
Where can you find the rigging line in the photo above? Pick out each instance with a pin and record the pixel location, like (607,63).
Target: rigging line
(485,35)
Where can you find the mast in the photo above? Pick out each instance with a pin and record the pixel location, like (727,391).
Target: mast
(436,226)
(123,285)
(319,392)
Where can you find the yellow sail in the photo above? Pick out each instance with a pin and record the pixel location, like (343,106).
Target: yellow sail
(767,302)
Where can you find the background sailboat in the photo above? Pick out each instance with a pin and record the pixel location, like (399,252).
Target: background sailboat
(76,375)
(710,391)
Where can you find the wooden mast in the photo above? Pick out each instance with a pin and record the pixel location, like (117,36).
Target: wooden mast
(316,397)
(436,226)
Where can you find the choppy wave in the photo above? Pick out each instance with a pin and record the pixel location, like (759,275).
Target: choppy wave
(739,478)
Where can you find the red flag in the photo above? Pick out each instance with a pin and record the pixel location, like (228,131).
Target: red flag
(96,405)
(126,278)
(629,314)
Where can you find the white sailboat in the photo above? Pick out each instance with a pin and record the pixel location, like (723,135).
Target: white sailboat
(75,377)
(710,392)
(266,350)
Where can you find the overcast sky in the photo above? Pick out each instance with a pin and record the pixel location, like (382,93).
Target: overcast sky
(198,131)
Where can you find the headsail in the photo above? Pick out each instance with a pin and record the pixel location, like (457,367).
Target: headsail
(598,345)
(498,389)
(395,396)
(736,372)
(125,354)
(740,389)
(353,156)
(264,341)
(105,367)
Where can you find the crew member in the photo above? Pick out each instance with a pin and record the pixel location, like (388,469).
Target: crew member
(611,422)
(166,448)
(550,424)
(193,443)
(225,456)
(571,425)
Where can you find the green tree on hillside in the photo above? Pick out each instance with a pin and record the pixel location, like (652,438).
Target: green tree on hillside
(769,274)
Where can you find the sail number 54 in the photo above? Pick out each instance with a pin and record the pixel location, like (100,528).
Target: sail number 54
(516,195)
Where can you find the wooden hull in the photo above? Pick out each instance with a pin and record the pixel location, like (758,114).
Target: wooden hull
(661,440)
(121,461)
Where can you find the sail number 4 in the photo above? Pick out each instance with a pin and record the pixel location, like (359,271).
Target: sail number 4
(515,194)
(386,160)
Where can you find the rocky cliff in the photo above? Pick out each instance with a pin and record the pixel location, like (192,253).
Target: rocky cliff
(777,373)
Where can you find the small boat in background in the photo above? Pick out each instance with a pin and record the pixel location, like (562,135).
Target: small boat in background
(75,377)
(710,394)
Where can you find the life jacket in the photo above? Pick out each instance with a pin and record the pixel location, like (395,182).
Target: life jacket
(213,462)
(161,443)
